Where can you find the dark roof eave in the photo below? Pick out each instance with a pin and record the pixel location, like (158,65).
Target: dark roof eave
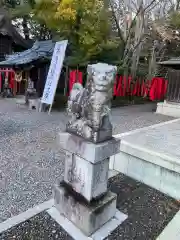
(44,59)
(40,52)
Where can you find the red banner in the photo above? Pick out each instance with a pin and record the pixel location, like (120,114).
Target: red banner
(9,74)
(155,89)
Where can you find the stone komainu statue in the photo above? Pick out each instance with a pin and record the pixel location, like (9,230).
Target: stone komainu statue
(89,107)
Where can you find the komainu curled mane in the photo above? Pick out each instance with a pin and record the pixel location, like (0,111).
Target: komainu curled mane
(89,107)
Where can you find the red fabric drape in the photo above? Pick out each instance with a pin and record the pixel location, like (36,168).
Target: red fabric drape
(155,88)
(10,74)
(74,77)
(11,82)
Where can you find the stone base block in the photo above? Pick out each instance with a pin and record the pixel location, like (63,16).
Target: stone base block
(21,101)
(169,109)
(34,104)
(90,180)
(152,156)
(77,234)
(87,217)
(91,152)
(153,172)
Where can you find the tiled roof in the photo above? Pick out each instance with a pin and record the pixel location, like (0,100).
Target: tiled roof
(40,49)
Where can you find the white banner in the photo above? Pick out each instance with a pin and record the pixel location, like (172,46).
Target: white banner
(54,72)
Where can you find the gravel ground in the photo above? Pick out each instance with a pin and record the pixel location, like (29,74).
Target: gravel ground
(30,159)
(149,211)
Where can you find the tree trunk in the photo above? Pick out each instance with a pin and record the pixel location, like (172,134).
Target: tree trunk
(139,32)
(177,5)
(25,27)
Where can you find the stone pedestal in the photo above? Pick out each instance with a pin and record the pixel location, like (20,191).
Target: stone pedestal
(89,151)
(90,180)
(87,217)
(83,197)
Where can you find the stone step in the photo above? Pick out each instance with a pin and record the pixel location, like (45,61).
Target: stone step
(172,231)
(152,156)
(168,109)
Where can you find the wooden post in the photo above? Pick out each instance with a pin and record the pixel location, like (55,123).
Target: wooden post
(26,77)
(50,108)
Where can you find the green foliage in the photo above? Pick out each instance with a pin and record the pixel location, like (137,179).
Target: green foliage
(109,52)
(84,23)
(174,20)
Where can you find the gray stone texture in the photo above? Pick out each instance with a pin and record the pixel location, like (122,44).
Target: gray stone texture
(87,217)
(87,179)
(89,146)
(89,107)
(31,161)
(34,104)
(91,152)
(169,109)
(153,157)
(162,139)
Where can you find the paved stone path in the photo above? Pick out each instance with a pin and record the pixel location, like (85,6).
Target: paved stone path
(30,159)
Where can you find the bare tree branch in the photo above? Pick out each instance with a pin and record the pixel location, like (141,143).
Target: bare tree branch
(117,23)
